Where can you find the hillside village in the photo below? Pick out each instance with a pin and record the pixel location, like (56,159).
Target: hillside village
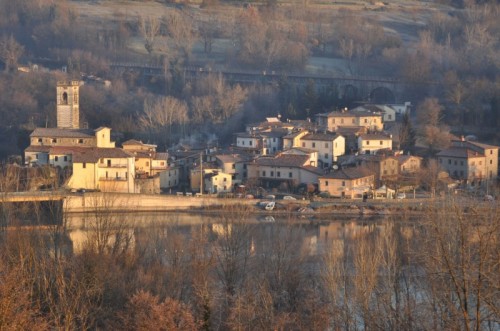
(341,154)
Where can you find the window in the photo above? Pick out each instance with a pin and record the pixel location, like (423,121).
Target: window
(290,175)
(449,161)
(116,175)
(381,142)
(147,163)
(264,173)
(389,117)
(65,158)
(461,163)
(56,158)
(40,140)
(272,173)
(233,166)
(326,183)
(326,155)
(278,173)
(84,165)
(303,144)
(274,140)
(491,161)
(225,179)
(343,183)
(368,142)
(109,163)
(244,166)
(101,161)
(243,143)
(250,143)
(162,163)
(64,98)
(385,172)
(366,120)
(54,140)
(36,156)
(491,151)
(80,141)
(313,145)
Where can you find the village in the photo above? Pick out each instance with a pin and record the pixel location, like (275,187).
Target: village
(349,154)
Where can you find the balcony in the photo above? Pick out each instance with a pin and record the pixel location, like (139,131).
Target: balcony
(113,179)
(111,165)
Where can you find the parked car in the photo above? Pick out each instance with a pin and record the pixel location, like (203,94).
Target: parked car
(288,197)
(401,196)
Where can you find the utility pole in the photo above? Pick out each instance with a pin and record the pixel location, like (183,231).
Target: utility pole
(201,173)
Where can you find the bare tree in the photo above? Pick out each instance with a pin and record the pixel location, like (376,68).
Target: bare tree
(10,52)
(150,29)
(181,33)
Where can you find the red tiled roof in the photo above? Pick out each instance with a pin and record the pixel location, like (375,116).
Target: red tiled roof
(460,152)
(350,173)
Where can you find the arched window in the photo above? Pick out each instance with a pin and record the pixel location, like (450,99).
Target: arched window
(64,99)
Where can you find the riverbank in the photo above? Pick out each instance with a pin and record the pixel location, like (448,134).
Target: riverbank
(117,202)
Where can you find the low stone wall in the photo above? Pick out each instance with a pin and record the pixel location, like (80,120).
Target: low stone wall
(88,202)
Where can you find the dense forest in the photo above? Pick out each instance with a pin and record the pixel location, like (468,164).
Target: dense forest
(452,47)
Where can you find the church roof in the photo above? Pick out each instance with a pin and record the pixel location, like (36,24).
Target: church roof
(62,133)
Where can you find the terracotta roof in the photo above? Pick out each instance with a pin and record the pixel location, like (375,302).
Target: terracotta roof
(375,136)
(45,149)
(227,158)
(90,154)
(314,170)
(349,114)
(161,156)
(320,136)
(62,133)
(346,130)
(300,149)
(460,152)
(404,158)
(283,160)
(132,142)
(350,173)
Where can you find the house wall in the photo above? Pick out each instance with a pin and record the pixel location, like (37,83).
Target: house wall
(103,138)
(294,174)
(84,176)
(335,187)
(48,141)
(371,146)
(169,178)
(220,183)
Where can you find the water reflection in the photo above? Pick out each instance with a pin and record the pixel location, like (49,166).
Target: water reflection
(311,236)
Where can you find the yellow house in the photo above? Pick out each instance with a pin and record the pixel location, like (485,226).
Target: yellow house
(105,169)
(348,182)
(371,143)
(338,119)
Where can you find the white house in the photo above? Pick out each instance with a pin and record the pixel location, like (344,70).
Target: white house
(329,147)
(371,143)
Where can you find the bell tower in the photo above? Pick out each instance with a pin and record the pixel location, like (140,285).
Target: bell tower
(68,110)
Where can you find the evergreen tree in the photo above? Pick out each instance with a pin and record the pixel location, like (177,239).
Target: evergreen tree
(407,135)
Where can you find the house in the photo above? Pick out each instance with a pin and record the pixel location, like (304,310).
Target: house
(385,167)
(388,113)
(401,109)
(95,168)
(409,164)
(233,164)
(216,182)
(371,143)
(41,139)
(267,142)
(470,161)
(169,178)
(147,161)
(348,182)
(329,147)
(311,153)
(337,119)
(287,169)
(292,139)
(351,134)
